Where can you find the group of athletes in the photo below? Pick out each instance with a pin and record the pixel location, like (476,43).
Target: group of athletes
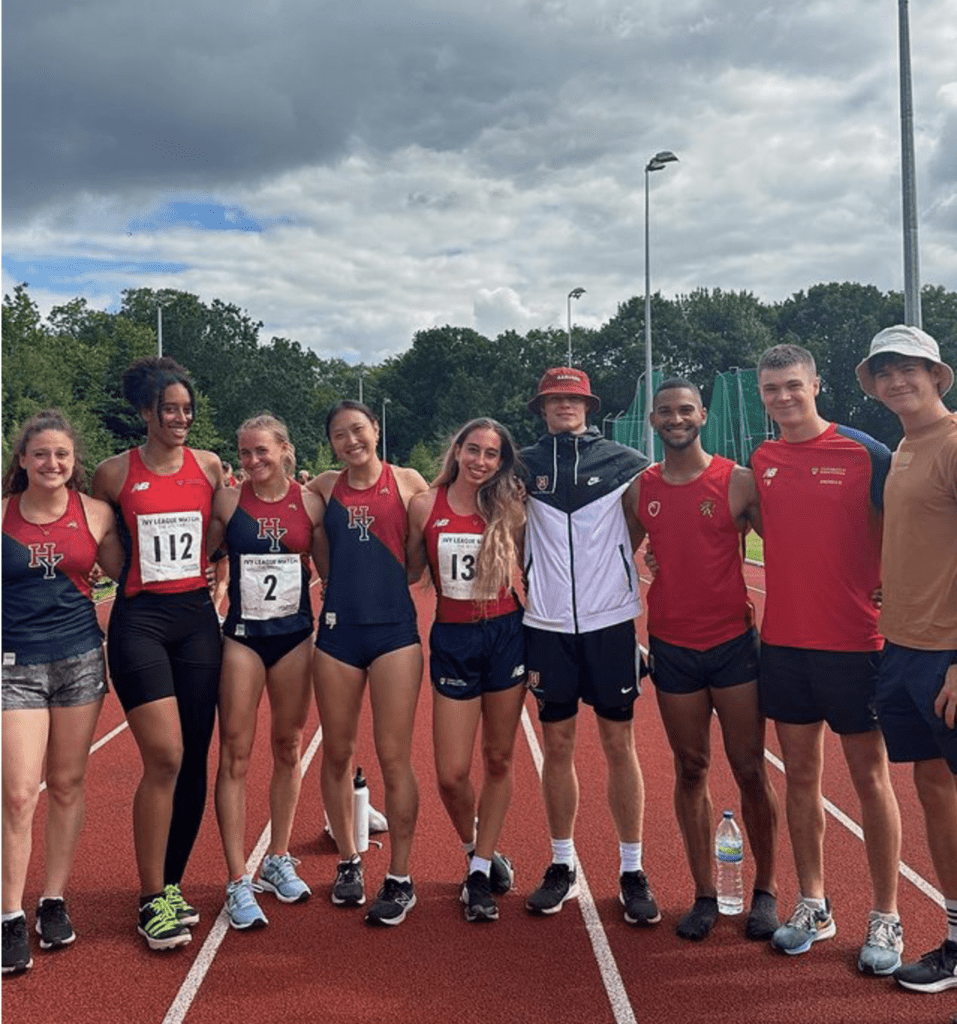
(851,534)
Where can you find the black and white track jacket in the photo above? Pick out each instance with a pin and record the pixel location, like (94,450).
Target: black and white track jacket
(578,558)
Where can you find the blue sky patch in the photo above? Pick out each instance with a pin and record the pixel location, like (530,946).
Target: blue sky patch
(204,216)
(72,276)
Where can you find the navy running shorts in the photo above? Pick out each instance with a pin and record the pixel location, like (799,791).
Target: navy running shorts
(799,687)
(598,668)
(467,659)
(907,686)
(272,649)
(681,670)
(359,646)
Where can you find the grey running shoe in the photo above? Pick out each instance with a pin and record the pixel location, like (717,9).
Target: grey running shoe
(934,972)
(394,900)
(348,889)
(241,907)
(805,927)
(881,953)
(278,876)
(501,874)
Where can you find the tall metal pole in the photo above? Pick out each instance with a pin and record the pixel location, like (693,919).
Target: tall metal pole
(384,401)
(656,163)
(575,293)
(908,183)
(159,330)
(360,385)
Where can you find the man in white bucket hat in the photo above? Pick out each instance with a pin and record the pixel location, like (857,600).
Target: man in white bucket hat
(917,684)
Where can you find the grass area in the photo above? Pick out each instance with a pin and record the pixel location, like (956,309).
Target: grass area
(104,590)
(755,547)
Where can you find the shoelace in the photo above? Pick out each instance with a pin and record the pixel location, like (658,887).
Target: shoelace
(803,918)
(285,867)
(393,891)
(163,914)
(243,894)
(882,933)
(174,898)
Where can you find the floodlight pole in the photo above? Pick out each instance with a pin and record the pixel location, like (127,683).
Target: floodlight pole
(656,163)
(908,184)
(575,293)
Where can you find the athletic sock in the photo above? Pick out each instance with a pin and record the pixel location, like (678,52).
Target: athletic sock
(563,852)
(814,902)
(469,848)
(630,856)
(700,919)
(480,864)
(12,915)
(951,908)
(399,878)
(763,916)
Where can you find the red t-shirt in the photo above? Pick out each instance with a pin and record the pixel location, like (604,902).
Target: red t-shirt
(821,506)
(698,598)
(452,544)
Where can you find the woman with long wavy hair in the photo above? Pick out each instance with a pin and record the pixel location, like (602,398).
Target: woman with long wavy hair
(467,528)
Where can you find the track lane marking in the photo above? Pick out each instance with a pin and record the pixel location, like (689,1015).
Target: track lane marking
(204,959)
(607,966)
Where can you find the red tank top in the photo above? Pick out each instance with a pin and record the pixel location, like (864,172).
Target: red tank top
(698,599)
(166,517)
(452,544)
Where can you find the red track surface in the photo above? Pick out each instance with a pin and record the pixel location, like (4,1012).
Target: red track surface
(320,962)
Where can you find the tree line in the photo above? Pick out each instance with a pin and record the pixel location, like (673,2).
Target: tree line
(74,359)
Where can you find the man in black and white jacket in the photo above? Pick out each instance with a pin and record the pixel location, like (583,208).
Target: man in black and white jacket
(579,624)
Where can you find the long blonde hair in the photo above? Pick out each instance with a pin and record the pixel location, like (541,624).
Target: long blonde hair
(501,503)
(278,429)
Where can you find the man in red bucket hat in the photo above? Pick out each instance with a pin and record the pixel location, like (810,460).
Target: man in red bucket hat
(582,593)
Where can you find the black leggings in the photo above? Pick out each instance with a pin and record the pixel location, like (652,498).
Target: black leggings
(168,645)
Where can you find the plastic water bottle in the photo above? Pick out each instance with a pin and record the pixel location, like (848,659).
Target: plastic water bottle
(729,857)
(360,812)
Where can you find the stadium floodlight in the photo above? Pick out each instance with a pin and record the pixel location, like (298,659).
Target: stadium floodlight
(657,163)
(575,293)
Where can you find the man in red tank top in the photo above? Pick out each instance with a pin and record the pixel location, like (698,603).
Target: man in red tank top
(821,492)
(695,508)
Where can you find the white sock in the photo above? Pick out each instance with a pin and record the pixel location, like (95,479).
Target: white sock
(814,903)
(12,915)
(630,854)
(399,878)
(469,848)
(563,852)
(951,908)
(481,864)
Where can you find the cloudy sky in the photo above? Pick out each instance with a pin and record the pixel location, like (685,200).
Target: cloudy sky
(350,173)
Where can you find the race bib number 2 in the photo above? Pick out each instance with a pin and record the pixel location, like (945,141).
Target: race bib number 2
(458,563)
(171,545)
(270,586)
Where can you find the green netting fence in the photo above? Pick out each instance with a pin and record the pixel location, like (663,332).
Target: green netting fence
(737,422)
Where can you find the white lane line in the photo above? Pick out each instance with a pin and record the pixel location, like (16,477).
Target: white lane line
(614,986)
(204,959)
(852,826)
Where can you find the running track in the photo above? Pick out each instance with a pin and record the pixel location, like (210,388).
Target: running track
(316,962)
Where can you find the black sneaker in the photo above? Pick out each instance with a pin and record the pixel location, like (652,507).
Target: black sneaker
(16,946)
(501,874)
(638,899)
(53,924)
(394,900)
(558,884)
(478,899)
(160,927)
(934,972)
(347,889)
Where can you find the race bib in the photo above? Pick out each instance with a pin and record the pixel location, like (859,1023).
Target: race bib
(171,545)
(458,564)
(270,586)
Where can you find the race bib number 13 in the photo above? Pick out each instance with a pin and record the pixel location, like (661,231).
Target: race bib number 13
(458,563)
(170,545)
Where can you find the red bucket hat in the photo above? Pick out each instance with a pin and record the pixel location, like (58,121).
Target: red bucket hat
(564,380)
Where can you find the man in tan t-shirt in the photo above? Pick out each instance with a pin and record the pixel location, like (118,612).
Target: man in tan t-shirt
(917,686)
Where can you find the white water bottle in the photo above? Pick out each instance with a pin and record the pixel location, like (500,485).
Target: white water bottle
(729,858)
(360,812)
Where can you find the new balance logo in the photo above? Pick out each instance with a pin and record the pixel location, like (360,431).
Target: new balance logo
(45,556)
(440,522)
(143,485)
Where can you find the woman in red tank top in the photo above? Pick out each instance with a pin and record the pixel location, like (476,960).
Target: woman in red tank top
(163,645)
(54,679)
(467,529)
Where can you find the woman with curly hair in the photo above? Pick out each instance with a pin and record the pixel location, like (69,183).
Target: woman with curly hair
(54,679)
(163,643)
(467,528)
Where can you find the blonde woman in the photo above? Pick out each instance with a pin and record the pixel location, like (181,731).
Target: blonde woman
(267,525)
(467,528)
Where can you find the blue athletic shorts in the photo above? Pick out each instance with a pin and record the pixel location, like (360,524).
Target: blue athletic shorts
(467,659)
(359,646)
(272,648)
(684,670)
(799,687)
(907,686)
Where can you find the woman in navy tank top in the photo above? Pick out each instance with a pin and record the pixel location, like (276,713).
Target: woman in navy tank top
(267,527)
(54,679)
(367,631)
(163,644)
(467,529)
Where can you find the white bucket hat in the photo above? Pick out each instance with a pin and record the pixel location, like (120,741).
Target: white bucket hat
(904,340)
